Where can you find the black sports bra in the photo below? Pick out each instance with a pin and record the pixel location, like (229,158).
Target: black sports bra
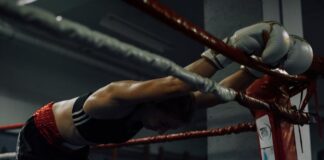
(103,130)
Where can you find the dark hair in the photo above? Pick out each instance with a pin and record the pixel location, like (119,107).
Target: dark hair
(182,107)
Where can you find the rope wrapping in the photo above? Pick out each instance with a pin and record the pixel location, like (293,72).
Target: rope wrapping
(290,115)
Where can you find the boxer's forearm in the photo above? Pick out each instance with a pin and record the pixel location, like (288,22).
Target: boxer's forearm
(239,81)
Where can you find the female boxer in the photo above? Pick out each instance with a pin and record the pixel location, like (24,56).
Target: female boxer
(116,112)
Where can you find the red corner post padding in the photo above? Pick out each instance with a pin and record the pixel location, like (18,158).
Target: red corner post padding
(276,136)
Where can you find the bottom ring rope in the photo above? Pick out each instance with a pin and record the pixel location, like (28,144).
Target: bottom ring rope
(11,126)
(238,128)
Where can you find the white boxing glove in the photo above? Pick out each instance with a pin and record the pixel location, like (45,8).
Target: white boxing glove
(299,57)
(297,60)
(267,40)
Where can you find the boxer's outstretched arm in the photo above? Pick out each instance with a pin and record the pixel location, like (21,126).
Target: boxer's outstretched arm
(127,94)
(122,96)
(238,81)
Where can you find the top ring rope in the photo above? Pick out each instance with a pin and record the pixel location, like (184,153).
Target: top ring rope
(154,8)
(47,22)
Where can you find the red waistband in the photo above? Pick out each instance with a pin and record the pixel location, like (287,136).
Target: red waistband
(45,123)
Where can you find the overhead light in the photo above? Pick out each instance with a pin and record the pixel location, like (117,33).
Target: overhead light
(59,18)
(24,2)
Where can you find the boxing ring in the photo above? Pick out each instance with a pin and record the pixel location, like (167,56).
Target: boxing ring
(49,23)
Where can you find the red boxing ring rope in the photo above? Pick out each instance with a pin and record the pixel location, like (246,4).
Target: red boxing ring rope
(11,126)
(238,128)
(154,8)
